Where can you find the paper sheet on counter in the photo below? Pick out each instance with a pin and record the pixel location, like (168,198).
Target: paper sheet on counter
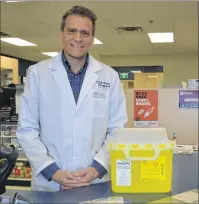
(183,149)
(119,200)
(185,197)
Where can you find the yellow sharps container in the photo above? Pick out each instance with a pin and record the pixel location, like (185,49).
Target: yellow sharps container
(141,161)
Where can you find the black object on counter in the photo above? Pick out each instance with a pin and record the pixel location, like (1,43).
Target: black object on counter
(8,157)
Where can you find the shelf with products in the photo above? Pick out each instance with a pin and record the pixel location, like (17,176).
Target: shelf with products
(8,134)
(22,170)
(8,130)
(21,174)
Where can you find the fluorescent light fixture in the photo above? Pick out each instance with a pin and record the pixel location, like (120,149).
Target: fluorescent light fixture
(12,1)
(152,76)
(17,41)
(51,54)
(161,37)
(136,71)
(97,42)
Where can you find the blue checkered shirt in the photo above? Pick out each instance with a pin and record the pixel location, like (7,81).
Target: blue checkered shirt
(76,80)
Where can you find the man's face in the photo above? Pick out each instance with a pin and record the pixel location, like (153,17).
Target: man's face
(77,36)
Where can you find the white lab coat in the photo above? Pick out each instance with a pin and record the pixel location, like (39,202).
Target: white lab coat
(53,128)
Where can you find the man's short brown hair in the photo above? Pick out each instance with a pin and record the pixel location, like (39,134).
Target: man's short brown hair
(81,11)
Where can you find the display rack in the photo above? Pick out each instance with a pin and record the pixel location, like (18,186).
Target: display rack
(21,174)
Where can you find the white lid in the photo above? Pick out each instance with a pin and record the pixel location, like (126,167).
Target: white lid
(140,136)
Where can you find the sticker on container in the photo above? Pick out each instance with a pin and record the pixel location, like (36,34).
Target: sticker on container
(153,170)
(123,173)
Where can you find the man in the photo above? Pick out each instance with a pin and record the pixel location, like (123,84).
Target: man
(69,109)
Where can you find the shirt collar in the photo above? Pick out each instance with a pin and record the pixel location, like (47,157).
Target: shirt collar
(67,65)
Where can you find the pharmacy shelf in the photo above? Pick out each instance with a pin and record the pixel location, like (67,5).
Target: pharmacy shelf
(17,188)
(11,181)
(19,179)
(18,182)
(8,123)
(22,159)
(4,136)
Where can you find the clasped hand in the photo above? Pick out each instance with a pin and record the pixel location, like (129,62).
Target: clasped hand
(80,178)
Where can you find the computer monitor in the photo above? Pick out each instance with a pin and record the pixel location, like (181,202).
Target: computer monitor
(7,96)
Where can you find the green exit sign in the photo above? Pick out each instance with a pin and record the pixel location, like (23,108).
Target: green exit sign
(124,75)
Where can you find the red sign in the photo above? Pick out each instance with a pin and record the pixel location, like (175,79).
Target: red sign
(145,108)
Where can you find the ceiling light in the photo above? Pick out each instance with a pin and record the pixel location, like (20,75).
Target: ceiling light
(161,37)
(152,76)
(12,1)
(136,71)
(51,54)
(17,41)
(97,42)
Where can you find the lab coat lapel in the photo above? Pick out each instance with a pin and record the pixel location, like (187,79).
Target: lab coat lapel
(60,75)
(90,78)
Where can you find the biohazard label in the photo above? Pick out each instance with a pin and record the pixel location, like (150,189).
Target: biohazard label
(153,170)
(123,173)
